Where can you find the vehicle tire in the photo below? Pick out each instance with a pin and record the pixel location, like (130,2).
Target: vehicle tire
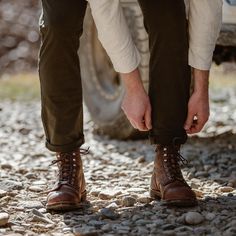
(102,86)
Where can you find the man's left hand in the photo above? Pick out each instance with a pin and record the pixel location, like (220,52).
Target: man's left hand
(198,113)
(198,106)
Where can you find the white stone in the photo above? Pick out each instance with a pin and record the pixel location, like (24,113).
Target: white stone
(3,193)
(4,217)
(113,205)
(108,194)
(193,218)
(32,204)
(35,189)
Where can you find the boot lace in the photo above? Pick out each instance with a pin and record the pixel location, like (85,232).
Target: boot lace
(172,158)
(68,164)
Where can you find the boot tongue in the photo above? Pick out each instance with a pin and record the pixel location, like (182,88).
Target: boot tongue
(171,149)
(67,164)
(66,169)
(171,158)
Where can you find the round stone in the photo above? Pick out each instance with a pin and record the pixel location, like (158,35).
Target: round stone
(128,201)
(193,218)
(4,217)
(210,216)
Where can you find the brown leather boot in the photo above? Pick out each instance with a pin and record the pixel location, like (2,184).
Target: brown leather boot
(167,180)
(69,192)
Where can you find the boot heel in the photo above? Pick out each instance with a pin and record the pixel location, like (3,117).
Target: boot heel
(155,194)
(83,196)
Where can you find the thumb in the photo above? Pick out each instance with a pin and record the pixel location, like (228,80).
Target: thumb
(147,117)
(189,120)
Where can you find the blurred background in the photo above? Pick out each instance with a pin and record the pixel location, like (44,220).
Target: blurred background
(122,166)
(19,48)
(19,36)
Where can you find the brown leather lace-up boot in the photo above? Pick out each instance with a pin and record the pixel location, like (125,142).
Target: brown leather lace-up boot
(167,180)
(69,192)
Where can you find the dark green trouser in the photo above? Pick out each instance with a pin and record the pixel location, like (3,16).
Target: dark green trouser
(170,75)
(61,26)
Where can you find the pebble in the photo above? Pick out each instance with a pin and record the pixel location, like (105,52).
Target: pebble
(118,175)
(30,175)
(18,229)
(210,216)
(169,233)
(3,193)
(4,217)
(143,222)
(32,204)
(10,185)
(144,199)
(136,190)
(94,192)
(226,189)
(36,215)
(113,205)
(108,194)
(6,166)
(198,193)
(106,227)
(107,213)
(84,230)
(193,218)
(142,231)
(35,189)
(168,226)
(128,201)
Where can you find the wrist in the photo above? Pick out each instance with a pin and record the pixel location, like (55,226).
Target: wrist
(132,81)
(201,81)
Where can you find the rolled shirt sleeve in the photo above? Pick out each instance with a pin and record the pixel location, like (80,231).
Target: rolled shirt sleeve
(205,17)
(114,34)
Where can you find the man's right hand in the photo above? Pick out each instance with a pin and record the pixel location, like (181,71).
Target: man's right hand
(136,103)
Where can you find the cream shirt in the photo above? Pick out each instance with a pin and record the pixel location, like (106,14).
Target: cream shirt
(204,18)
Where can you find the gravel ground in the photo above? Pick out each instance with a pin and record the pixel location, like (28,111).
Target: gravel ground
(118,175)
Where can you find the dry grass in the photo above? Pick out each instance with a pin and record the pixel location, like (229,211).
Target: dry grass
(25,86)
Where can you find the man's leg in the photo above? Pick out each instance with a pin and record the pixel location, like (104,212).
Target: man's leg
(61,26)
(166,25)
(169,88)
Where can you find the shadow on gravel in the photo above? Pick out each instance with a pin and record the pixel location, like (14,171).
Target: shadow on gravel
(157,218)
(211,169)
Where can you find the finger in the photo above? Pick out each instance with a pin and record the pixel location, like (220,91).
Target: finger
(198,124)
(133,123)
(147,117)
(141,125)
(189,120)
(201,121)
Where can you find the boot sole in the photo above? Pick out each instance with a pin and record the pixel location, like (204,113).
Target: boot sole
(67,206)
(178,203)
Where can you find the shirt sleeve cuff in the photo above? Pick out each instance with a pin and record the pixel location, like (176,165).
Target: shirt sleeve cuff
(200,58)
(128,62)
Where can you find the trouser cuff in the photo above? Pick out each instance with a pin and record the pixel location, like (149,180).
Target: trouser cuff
(168,139)
(65,148)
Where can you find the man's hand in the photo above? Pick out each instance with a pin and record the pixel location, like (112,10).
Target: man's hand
(198,106)
(136,104)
